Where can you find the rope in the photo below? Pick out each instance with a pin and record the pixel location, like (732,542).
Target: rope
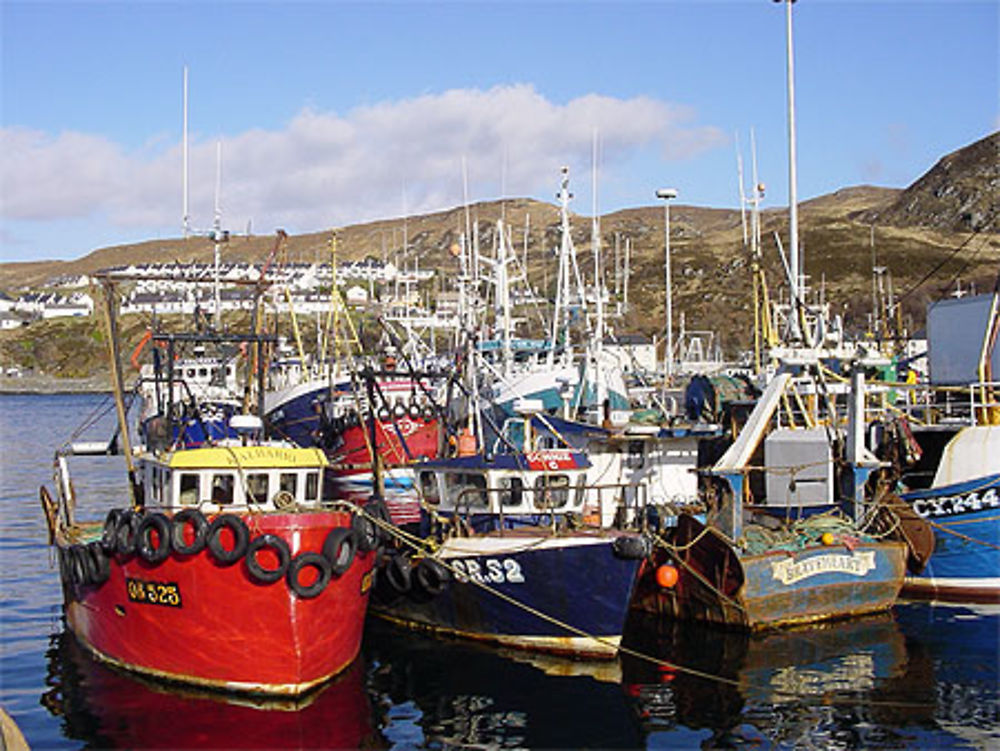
(827,698)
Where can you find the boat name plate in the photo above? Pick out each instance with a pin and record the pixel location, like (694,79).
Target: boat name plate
(790,571)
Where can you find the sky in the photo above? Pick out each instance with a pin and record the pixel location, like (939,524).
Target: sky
(328,114)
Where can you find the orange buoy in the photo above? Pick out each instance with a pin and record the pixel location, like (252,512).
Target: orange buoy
(828,538)
(666,576)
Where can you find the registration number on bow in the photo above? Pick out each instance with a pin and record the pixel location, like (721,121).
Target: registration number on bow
(488,571)
(153,593)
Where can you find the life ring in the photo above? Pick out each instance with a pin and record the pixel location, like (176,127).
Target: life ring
(283,500)
(144,546)
(308,559)
(399,573)
(339,548)
(241,538)
(199,524)
(125,532)
(432,576)
(108,534)
(99,567)
(268,575)
(51,512)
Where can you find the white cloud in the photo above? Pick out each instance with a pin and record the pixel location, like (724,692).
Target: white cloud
(327,169)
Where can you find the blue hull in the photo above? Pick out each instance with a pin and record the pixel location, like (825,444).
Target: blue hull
(551,594)
(965,565)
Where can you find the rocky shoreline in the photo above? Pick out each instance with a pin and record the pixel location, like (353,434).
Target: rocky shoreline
(45,384)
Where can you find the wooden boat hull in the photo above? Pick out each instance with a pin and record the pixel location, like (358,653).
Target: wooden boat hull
(193,620)
(558,594)
(774,589)
(965,565)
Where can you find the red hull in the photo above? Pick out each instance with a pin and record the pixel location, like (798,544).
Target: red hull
(420,437)
(228,632)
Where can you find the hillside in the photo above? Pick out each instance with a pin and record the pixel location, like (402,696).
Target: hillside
(921,235)
(961,193)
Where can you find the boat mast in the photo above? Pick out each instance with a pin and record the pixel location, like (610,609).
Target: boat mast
(186,217)
(595,235)
(794,262)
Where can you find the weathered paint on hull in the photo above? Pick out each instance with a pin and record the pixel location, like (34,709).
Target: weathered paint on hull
(562,595)
(775,589)
(228,632)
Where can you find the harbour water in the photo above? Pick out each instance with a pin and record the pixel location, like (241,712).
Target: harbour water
(921,677)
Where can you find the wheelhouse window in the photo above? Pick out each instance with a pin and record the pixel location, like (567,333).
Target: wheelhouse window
(429,488)
(189,489)
(551,491)
(289,483)
(466,490)
(636,455)
(512,491)
(257,487)
(223,489)
(312,486)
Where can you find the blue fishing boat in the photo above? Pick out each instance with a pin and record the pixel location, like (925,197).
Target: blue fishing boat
(500,558)
(952,435)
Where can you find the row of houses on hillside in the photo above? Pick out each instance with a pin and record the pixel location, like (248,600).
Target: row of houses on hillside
(34,306)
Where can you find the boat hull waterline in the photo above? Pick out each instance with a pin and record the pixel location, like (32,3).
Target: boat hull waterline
(565,595)
(193,620)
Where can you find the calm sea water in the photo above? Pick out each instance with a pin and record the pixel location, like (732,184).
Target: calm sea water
(922,677)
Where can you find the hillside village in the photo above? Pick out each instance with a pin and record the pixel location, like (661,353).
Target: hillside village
(876,254)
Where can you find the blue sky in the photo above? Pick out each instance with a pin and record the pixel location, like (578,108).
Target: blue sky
(333,113)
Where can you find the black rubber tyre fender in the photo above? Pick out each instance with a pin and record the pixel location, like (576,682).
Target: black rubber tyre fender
(308,559)
(339,548)
(383,414)
(432,577)
(399,573)
(414,411)
(126,532)
(631,548)
(198,523)
(427,414)
(366,532)
(144,546)
(241,536)
(110,530)
(76,559)
(98,563)
(268,575)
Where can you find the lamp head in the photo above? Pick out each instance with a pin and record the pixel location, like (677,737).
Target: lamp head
(666,193)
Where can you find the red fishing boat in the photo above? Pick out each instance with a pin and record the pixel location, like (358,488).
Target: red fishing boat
(224,566)
(232,574)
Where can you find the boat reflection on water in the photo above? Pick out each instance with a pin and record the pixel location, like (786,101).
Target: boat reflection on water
(450,693)
(106,708)
(850,683)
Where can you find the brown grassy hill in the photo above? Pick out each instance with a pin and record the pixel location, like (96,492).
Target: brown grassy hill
(960,193)
(933,234)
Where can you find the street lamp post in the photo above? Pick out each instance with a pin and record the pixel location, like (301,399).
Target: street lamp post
(666,194)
